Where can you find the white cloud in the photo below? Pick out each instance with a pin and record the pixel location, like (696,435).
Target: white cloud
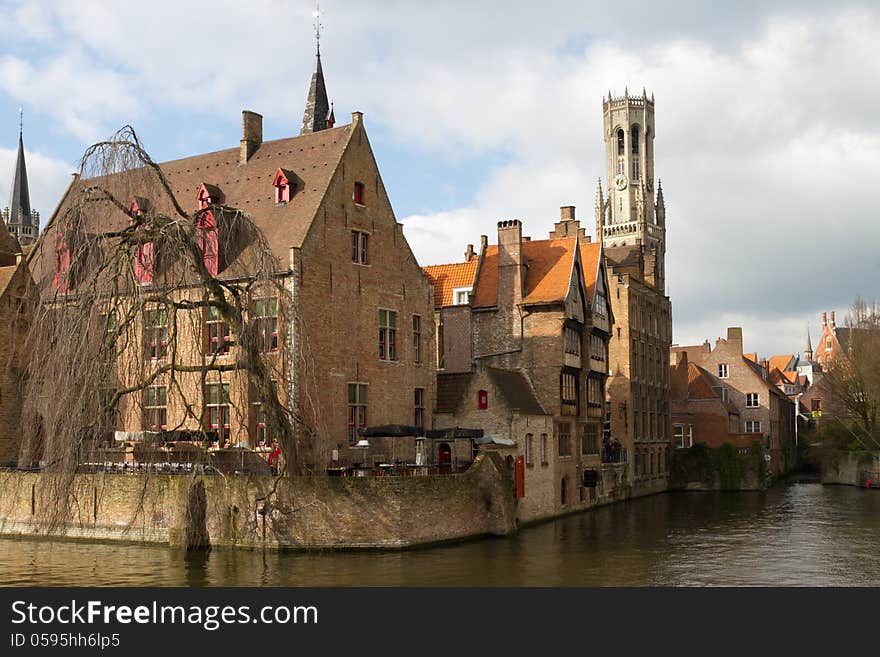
(767,142)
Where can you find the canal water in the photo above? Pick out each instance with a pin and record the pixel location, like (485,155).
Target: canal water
(796,534)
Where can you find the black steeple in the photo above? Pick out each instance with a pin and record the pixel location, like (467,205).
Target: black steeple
(319,112)
(20,198)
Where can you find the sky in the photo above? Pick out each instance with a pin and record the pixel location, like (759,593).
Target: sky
(767,138)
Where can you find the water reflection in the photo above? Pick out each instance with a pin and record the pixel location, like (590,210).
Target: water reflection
(799,534)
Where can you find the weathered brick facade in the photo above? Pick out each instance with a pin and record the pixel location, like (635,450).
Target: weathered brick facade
(766,414)
(532,347)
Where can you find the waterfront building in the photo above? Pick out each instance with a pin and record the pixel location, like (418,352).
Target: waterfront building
(522,329)
(631,226)
(766,415)
(350,341)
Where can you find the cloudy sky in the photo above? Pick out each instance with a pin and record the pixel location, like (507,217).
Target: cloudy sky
(768,138)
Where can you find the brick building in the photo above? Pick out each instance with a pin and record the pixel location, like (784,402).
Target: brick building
(355,345)
(699,414)
(766,414)
(523,328)
(632,229)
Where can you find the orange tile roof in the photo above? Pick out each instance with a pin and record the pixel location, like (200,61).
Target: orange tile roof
(752,356)
(780,362)
(448,277)
(548,271)
(699,383)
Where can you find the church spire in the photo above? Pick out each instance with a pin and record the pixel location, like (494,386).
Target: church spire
(808,352)
(319,112)
(22,223)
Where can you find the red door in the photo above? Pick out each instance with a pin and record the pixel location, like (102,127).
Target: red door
(444,457)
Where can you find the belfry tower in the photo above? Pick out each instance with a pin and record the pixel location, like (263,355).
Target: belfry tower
(629,216)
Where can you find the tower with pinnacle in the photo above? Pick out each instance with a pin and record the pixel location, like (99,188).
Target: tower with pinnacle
(21,221)
(630,210)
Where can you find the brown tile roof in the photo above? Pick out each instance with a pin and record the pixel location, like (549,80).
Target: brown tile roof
(6,274)
(312,159)
(517,391)
(448,277)
(450,389)
(699,383)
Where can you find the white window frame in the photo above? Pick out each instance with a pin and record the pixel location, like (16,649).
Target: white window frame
(753,426)
(723,371)
(757,400)
(456,291)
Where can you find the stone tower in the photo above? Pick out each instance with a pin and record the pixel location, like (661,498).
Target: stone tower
(629,216)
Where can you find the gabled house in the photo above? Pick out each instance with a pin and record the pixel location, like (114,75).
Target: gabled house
(525,357)
(766,414)
(354,348)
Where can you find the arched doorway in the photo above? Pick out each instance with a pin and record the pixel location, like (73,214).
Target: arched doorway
(444,457)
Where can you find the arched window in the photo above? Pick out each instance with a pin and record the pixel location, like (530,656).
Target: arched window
(563,491)
(282,186)
(635,153)
(620,138)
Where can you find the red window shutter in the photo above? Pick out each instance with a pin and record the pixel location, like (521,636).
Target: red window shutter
(520,476)
(358,195)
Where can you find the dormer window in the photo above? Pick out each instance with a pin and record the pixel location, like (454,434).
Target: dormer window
(282,185)
(206,226)
(461,296)
(358,194)
(144,261)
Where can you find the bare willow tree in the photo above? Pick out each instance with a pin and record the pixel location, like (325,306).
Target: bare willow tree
(854,377)
(133,281)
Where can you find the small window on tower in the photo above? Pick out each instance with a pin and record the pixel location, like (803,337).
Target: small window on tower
(620,142)
(634,144)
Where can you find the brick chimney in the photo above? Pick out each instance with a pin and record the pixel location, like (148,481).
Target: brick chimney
(824,319)
(566,213)
(735,337)
(567,226)
(832,320)
(510,263)
(251,135)
(469,253)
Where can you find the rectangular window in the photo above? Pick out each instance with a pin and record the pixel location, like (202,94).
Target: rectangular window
(569,389)
(572,341)
(678,435)
(358,194)
(753,426)
(156,333)
(597,348)
(359,247)
(155,408)
(722,370)
(387,335)
(596,392)
(218,338)
(563,433)
(357,410)
(601,305)
(528,449)
(419,402)
(217,410)
(264,313)
(543,448)
(589,439)
(815,404)
(417,338)
(752,400)
(461,296)
(636,167)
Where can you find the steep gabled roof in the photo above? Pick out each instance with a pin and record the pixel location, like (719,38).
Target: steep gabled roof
(547,272)
(782,363)
(516,390)
(19,196)
(446,278)
(313,158)
(699,383)
(591,259)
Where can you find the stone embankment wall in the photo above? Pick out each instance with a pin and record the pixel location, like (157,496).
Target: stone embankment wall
(295,513)
(851,468)
(722,468)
